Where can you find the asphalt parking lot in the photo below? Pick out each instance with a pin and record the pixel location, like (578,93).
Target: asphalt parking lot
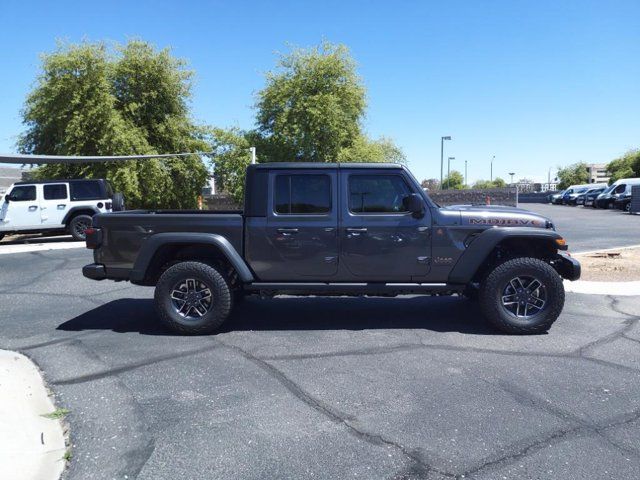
(331,388)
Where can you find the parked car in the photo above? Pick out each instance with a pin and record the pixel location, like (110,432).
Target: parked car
(571,195)
(581,199)
(556,198)
(607,198)
(56,205)
(623,201)
(590,196)
(336,229)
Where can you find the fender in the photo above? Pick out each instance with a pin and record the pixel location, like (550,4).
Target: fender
(473,257)
(151,246)
(77,209)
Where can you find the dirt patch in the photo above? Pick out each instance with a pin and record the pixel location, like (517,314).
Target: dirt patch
(610,266)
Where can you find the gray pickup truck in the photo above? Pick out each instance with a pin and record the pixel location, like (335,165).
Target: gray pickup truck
(336,229)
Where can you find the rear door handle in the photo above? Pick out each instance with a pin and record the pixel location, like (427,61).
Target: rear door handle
(287,231)
(355,232)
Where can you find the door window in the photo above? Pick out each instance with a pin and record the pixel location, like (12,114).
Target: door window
(302,194)
(86,190)
(55,192)
(377,194)
(23,193)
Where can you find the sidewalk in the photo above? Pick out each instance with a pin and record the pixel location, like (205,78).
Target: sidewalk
(31,446)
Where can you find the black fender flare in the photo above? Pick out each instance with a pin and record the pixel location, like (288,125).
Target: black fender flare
(71,213)
(477,252)
(153,243)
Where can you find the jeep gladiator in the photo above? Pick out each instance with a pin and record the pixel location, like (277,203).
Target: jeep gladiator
(336,229)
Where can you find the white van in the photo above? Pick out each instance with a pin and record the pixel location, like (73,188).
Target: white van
(617,189)
(572,192)
(56,205)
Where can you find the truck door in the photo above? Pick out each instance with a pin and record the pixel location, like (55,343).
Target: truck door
(23,211)
(380,239)
(54,203)
(302,226)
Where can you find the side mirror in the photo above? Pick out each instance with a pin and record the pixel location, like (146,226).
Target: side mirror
(7,198)
(414,204)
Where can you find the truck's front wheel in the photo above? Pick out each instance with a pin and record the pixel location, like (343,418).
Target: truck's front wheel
(193,298)
(522,295)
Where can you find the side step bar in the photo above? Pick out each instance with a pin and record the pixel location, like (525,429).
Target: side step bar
(340,288)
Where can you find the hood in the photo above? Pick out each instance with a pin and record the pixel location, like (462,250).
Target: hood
(495,215)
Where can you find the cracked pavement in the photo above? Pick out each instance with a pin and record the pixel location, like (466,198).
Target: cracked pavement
(405,388)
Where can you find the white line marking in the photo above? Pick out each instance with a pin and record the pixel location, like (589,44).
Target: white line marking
(586,252)
(603,288)
(39,247)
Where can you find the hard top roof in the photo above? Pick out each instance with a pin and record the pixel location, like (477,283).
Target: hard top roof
(321,165)
(60,180)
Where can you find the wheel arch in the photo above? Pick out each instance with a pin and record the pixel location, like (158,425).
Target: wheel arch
(75,211)
(495,243)
(162,249)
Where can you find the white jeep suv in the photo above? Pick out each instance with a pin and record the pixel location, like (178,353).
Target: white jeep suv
(56,205)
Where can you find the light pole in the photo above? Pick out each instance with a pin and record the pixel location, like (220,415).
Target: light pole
(442,139)
(512,174)
(253,154)
(492,159)
(465,173)
(449,171)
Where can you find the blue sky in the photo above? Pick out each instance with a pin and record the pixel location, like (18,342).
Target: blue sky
(537,84)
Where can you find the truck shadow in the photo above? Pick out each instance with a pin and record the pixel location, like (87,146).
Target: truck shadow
(439,314)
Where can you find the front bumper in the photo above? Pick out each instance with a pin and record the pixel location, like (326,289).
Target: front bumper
(568,267)
(94,271)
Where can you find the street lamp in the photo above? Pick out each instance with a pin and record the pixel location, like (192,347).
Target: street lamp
(449,171)
(442,139)
(512,174)
(492,159)
(465,173)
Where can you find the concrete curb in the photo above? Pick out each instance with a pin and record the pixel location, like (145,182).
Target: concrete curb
(31,446)
(603,288)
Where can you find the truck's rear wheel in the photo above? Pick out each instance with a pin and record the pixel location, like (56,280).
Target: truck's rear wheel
(193,298)
(522,295)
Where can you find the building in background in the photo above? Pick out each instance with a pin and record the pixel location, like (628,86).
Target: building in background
(598,173)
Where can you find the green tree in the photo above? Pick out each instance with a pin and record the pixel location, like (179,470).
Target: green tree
(364,150)
(92,100)
(454,181)
(626,166)
(574,174)
(231,158)
(484,184)
(311,109)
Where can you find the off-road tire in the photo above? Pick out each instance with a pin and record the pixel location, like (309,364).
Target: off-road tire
(221,303)
(492,288)
(75,227)
(117,202)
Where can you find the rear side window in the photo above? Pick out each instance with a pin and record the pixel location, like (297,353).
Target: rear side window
(55,192)
(86,190)
(302,194)
(377,194)
(23,193)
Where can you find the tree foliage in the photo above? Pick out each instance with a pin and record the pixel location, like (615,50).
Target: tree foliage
(453,181)
(92,100)
(574,174)
(485,184)
(232,156)
(430,184)
(627,166)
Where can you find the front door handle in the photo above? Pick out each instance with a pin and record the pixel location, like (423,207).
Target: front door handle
(287,231)
(356,230)
(33,208)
